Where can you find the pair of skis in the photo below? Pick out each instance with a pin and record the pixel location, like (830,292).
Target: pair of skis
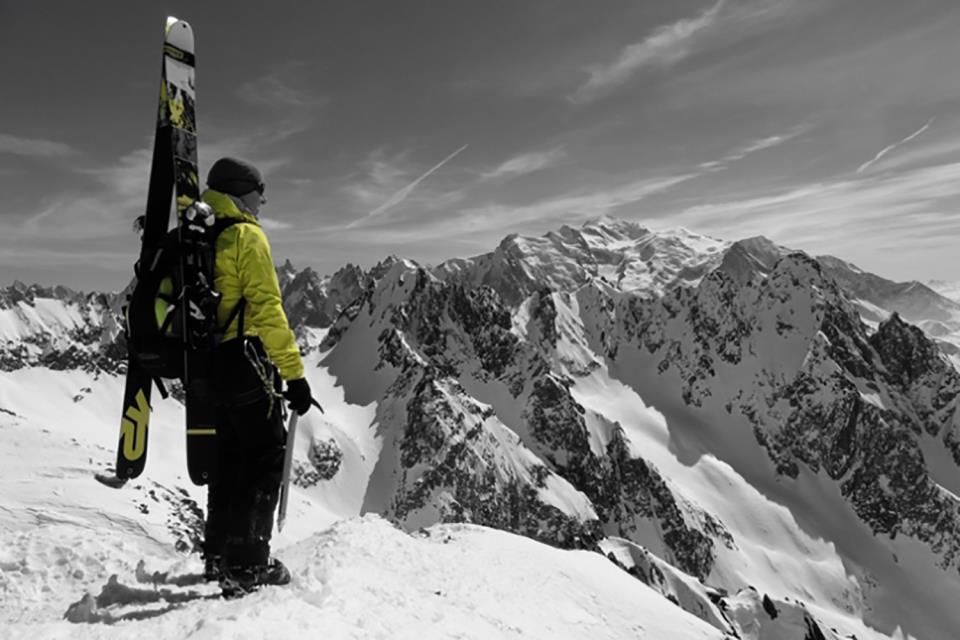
(174,170)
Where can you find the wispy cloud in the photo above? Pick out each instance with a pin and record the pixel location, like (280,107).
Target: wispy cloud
(34,147)
(889,149)
(486,224)
(724,21)
(527,163)
(67,258)
(933,151)
(120,194)
(282,87)
(115,194)
(760,144)
(579,206)
(272,224)
(667,45)
(384,173)
(852,217)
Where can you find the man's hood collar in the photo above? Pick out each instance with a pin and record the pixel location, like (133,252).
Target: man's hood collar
(224,207)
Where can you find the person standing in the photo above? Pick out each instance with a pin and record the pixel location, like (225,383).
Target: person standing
(258,351)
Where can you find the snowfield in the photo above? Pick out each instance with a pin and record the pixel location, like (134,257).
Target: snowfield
(63,535)
(363,578)
(80,560)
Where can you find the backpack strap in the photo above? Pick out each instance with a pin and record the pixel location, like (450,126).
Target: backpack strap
(237,311)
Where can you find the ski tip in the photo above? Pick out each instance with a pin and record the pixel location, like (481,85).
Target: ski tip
(110,480)
(179,33)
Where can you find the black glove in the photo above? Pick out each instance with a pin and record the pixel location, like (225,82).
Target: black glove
(298,393)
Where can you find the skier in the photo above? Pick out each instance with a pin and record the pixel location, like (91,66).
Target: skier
(258,349)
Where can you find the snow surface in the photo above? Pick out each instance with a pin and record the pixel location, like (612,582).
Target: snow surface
(63,535)
(363,578)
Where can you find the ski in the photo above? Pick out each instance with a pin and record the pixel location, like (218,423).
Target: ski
(135,414)
(196,234)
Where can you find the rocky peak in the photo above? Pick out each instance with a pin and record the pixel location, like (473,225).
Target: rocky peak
(306,300)
(906,352)
(286,273)
(750,258)
(311,300)
(622,253)
(381,268)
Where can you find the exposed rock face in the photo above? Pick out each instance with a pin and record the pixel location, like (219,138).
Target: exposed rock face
(768,337)
(324,457)
(837,398)
(313,301)
(471,394)
(60,329)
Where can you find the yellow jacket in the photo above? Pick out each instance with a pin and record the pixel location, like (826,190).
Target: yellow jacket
(244,269)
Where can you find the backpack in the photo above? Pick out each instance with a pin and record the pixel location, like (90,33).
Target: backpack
(154,315)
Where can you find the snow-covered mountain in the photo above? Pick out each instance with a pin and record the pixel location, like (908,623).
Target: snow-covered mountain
(618,253)
(720,419)
(60,329)
(314,301)
(937,314)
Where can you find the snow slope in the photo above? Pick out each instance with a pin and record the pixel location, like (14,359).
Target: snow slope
(363,578)
(63,535)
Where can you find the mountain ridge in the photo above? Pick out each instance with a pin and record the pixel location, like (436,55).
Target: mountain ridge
(684,395)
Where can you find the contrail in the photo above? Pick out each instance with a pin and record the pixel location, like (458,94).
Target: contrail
(879,156)
(402,194)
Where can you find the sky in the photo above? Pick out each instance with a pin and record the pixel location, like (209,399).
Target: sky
(431,130)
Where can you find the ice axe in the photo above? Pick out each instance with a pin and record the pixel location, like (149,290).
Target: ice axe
(287,464)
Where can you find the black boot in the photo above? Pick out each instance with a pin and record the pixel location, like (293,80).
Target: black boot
(238,581)
(212,567)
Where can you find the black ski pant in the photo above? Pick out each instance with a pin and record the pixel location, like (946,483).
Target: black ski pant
(250,440)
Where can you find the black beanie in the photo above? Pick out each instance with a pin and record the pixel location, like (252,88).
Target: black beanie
(235,177)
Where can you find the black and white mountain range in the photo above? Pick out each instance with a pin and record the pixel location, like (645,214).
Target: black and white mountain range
(770,440)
